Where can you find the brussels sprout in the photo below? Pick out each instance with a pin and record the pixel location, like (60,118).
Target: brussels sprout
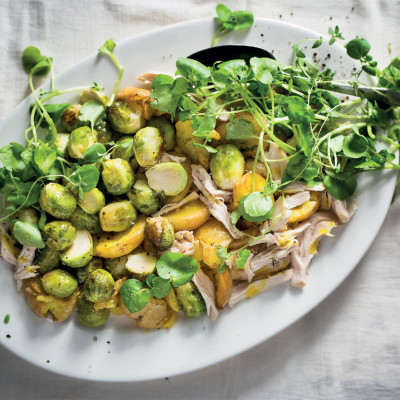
(126,118)
(58,201)
(27,215)
(92,94)
(80,140)
(118,176)
(99,286)
(118,216)
(62,142)
(59,283)
(144,198)
(82,221)
(161,232)
(70,118)
(124,148)
(141,263)
(83,273)
(116,266)
(227,166)
(191,301)
(133,163)
(93,201)
(59,234)
(104,132)
(148,146)
(167,130)
(80,252)
(169,177)
(88,316)
(47,259)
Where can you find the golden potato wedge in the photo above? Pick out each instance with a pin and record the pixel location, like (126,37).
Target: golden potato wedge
(244,186)
(112,245)
(305,210)
(188,217)
(223,289)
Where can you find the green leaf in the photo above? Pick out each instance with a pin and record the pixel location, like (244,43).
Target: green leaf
(256,207)
(270,188)
(261,70)
(193,70)
(208,121)
(244,19)
(222,253)
(42,67)
(235,216)
(86,177)
(239,128)
(42,220)
(44,157)
(30,57)
(234,67)
(222,267)
(317,43)
(340,189)
(355,146)
(11,157)
(108,47)
(358,48)
(162,79)
(92,111)
(28,194)
(177,268)
(160,287)
(220,78)
(223,12)
(94,153)
(336,143)
(306,137)
(134,296)
(243,256)
(28,234)
(297,110)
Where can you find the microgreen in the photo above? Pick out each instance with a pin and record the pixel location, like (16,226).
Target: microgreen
(85,177)
(92,111)
(256,207)
(134,296)
(159,287)
(28,234)
(95,153)
(176,268)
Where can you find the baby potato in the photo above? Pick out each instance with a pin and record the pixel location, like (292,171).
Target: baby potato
(244,186)
(305,210)
(188,217)
(223,288)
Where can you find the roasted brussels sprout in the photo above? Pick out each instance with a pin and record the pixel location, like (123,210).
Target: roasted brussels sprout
(116,267)
(141,263)
(88,316)
(80,140)
(126,118)
(58,201)
(118,176)
(191,301)
(27,215)
(124,148)
(62,143)
(92,94)
(99,286)
(59,234)
(227,166)
(70,118)
(82,273)
(47,259)
(93,201)
(80,252)
(148,146)
(144,198)
(104,132)
(170,177)
(167,130)
(118,216)
(161,232)
(59,283)
(82,221)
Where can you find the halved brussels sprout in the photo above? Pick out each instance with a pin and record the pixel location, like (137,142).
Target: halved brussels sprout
(227,166)
(93,201)
(92,94)
(80,140)
(167,130)
(88,316)
(124,148)
(82,221)
(148,146)
(144,198)
(58,201)
(170,177)
(126,118)
(118,216)
(99,286)
(161,232)
(62,142)
(83,272)
(141,264)
(80,252)
(59,283)
(59,234)
(104,132)
(116,267)
(70,118)
(47,259)
(191,301)
(118,176)
(27,215)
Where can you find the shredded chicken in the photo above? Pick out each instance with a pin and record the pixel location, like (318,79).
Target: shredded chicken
(148,77)
(297,199)
(343,209)
(207,290)
(169,157)
(4,227)
(24,268)
(296,187)
(242,274)
(320,224)
(6,254)
(169,207)
(247,290)
(277,167)
(185,243)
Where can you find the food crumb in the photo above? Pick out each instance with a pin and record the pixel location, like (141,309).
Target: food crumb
(108,342)
(166,378)
(7,319)
(8,336)
(48,361)
(94,338)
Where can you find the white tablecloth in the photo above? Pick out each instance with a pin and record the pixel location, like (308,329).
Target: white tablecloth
(348,347)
